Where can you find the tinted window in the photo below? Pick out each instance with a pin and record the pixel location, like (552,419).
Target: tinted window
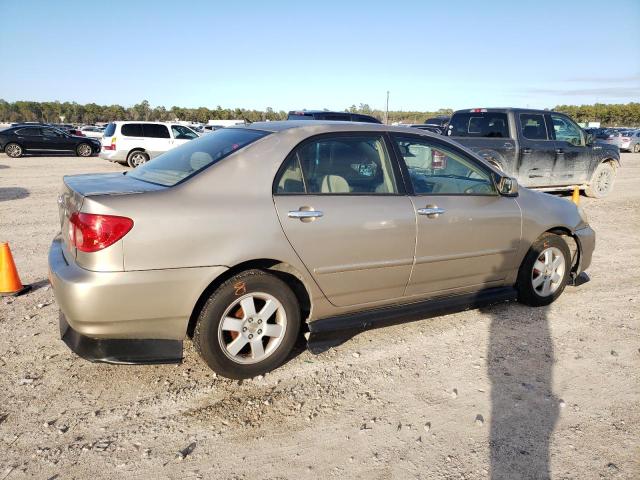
(533,126)
(566,130)
(437,170)
(342,165)
(132,130)
(155,130)
(180,132)
(50,132)
(28,132)
(344,117)
(110,130)
(364,118)
(300,116)
(182,162)
(479,124)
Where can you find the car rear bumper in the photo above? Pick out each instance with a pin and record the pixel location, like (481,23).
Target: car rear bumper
(139,305)
(586,240)
(113,155)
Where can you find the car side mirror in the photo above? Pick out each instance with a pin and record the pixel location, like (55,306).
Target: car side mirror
(507,186)
(590,139)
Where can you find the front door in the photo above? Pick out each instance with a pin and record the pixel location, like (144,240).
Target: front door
(573,156)
(344,212)
(55,140)
(468,234)
(537,151)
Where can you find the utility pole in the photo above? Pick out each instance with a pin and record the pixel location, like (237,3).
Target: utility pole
(386,114)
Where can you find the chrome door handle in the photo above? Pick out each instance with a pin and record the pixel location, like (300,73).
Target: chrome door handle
(431,211)
(508,146)
(303,215)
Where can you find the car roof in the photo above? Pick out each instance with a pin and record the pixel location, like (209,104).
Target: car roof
(504,110)
(313,127)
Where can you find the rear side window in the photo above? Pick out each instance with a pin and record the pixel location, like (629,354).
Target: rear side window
(155,130)
(28,132)
(110,130)
(132,130)
(479,124)
(182,162)
(358,164)
(533,126)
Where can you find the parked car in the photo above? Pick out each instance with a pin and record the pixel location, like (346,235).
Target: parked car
(92,131)
(428,128)
(15,141)
(633,145)
(542,149)
(333,116)
(238,237)
(440,121)
(134,143)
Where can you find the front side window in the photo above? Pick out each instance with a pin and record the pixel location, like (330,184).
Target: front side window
(479,124)
(567,131)
(180,132)
(533,127)
(132,130)
(49,132)
(437,170)
(154,130)
(356,165)
(188,159)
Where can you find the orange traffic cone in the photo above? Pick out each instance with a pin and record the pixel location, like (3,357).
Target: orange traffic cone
(10,283)
(575,196)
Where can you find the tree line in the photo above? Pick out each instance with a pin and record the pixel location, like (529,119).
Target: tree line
(72,112)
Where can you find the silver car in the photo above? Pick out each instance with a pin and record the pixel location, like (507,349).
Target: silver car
(239,238)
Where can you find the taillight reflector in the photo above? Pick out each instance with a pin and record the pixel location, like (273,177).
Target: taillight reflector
(90,232)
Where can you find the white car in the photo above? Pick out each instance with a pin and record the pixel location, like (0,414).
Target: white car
(134,143)
(92,131)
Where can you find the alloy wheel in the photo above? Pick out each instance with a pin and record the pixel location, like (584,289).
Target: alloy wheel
(84,150)
(548,272)
(13,150)
(603,182)
(252,328)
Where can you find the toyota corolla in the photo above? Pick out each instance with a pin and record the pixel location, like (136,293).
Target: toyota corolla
(240,238)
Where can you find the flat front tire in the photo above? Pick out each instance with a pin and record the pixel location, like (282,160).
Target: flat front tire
(13,150)
(544,271)
(602,181)
(248,326)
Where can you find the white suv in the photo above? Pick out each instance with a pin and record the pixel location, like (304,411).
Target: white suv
(134,142)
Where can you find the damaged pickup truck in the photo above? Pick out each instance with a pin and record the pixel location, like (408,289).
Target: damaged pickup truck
(542,149)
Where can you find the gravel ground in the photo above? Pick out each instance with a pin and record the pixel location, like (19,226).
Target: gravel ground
(511,391)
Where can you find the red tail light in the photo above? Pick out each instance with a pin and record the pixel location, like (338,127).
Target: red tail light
(89,232)
(109,147)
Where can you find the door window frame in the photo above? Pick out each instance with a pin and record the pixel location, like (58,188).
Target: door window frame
(447,146)
(399,177)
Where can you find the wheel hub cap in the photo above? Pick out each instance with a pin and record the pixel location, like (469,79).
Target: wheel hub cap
(548,272)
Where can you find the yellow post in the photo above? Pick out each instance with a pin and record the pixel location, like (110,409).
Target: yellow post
(575,196)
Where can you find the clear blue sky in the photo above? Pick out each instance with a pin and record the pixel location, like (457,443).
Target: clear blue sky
(321,54)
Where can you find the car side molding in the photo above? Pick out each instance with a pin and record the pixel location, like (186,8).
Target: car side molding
(333,331)
(121,350)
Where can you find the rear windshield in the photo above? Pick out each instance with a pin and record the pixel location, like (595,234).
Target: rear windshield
(175,165)
(479,124)
(110,130)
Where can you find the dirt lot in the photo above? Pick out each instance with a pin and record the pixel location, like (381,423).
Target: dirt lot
(513,391)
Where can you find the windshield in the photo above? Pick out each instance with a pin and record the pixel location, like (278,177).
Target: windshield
(175,165)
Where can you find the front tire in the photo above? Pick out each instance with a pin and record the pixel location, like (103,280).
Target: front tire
(13,150)
(136,158)
(602,181)
(84,150)
(248,326)
(636,148)
(545,271)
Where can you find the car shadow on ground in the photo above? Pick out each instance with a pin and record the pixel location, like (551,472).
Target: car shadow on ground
(13,193)
(2,167)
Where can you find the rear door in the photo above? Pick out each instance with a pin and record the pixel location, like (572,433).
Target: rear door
(344,211)
(573,157)
(31,138)
(468,234)
(157,138)
(489,134)
(537,151)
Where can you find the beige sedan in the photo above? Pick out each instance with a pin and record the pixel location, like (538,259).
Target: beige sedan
(239,238)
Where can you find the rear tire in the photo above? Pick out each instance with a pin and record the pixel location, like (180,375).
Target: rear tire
(544,271)
(84,150)
(13,150)
(636,148)
(602,181)
(137,158)
(248,326)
